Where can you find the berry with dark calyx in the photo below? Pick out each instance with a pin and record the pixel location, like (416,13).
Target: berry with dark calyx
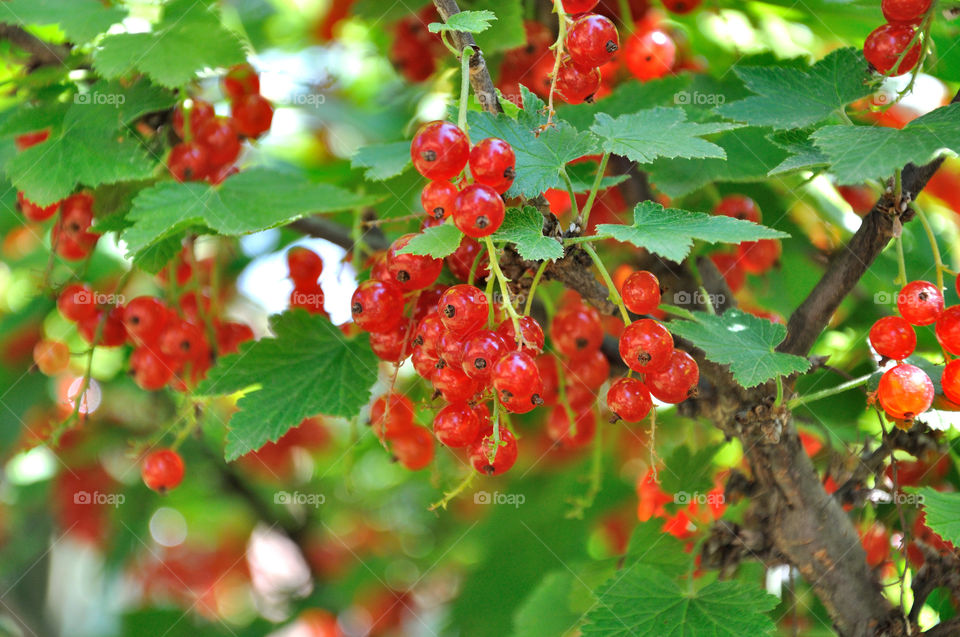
(493,164)
(51,357)
(145,318)
(592,370)
(162,470)
(681,6)
(739,207)
(71,234)
(516,378)
(575,84)
(252,115)
(904,11)
(884,46)
(485,446)
(530,332)
(440,151)
(905,392)
(646,346)
(463,308)
(592,41)
(391,415)
(151,370)
(629,399)
(893,337)
(200,113)
(454,385)
(573,7)
(394,345)
(77,302)
(649,55)
(113,333)
(438,199)
(220,140)
(425,362)
(481,350)
(677,381)
(377,306)
(429,331)
(456,425)
(241,80)
(414,448)
(188,162)
(451,347)
(412,271)
(947,329)
(478,211)
(920,302)
(184,341)
(305,265)
(758,257)
(950,380)
(641,292)
(559,429)
(577,331)
(469,256)
(33,212)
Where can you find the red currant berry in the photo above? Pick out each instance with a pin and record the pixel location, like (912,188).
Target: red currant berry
(591,370)
(860,198)
(188,162)
(151,370)
(425,362)
(530,330)
(230,336)
(558,427)
(493,163)
(478,211)
(592,41)
(162,470)
(948,329)
(649,55)
(517,381)
(144,318)
(876,544)
(113,334)
(456,425)
(904,11)
(391,415)
(305,265)
(681,6)
(629,400)
(573,7)
(438,199)
(757,257)
(28,140)
(463,308)
(739,207)
(678,381)
(51,357)
(579,395)
(33,212)
(950,381)
(451,347)
(77,302)
(429,331)
(920,302)
(377,306)
(220,140)
(549,379)
(884,46)
(184,341)
(412,271)
(577,85)
(469,257)
(309,297)
(646,346)
(241,80)
(413,448)
(252,115)
(731,269)
(481,350)
(453,384)
(394,345)
(905,392)
(892,337)
(427,301)
(577,331)
(440,151)
(485,446)
(200,113)
(641,292)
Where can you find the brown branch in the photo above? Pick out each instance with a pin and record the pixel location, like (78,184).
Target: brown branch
(42,53)
(480,78)
(323,228)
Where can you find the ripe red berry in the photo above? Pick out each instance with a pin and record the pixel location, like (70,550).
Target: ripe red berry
(530,331)
(438,199)
(559,429)
(591,370)
(391,415)
(230,335)
(429,331)
(469,256)
(573,7)
(413,448)
(451,348)
(905,392)
(757,257)
(393,345)
(241,80)
(200,113)
(876,544)
(33,212)
(377,306)
(860,198)
(739,207)
(478,211)
(904,11)
(481,350)
(77,302)
(412,271)
(51,357)
(425,362)
(646,346)
(493,163)
(162,470)
(649,55)
(948,329)
(305,265)
(188,162)
(219,138)
(893,337)
(252,115)
(309,297)
(884,46)
(950,381)
(151,370)
(463,308)
(577,85)
(577,331)
(456,425)
(485,446)
(184,341)
(453,384)
(920,302)
(681,6)
(730,268)
(145,318)
(517,381)
(677,381)
(629,400)
(113,334)
(592,41)
(641,292)
(440,150)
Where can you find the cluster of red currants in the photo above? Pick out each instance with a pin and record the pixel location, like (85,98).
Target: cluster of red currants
(894,48)
(592,41)
(751,257)
(212,144)
(415,51)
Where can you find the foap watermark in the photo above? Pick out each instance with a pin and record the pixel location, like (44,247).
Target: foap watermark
(88,297)
(712,498)
(301,299)
(696,98)
(308,99)
(698,298)
(298,498)
(95,98)
(511,499)
(98,498)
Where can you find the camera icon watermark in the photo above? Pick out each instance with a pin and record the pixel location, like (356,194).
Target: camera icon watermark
(511,499)
(300,499)
(684,498)
(99,499)
(86,297)
(698,298)
(309,99)
(885,298)
(95,98)
(696,98)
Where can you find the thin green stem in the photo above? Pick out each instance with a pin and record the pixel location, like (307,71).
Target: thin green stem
(588,206)
(830,391)
(573,196)
(779,400)
(448,496)
(901,263)
(615,297)
(504,286)
(933,245)
(495,419)
(626,18)
(465,56)
(558,55)
(533,287)
(584,502)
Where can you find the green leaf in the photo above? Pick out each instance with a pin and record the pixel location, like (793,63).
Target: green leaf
(436,241)
(670,232)
(942,513)
(628,97)
(745,342)
(80,20)
(645,602)
(308,369)
(383,161)
(29,119)
(583,174)
(651,547)
(792,98)
(524,229)
(253,200)
(805,155)
(188,39)
(657,132)
(465,21)
(508,32)
(859,153)
(547,611)
(541,153)
(686,472)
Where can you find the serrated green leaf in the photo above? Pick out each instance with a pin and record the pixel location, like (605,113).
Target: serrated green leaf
(188,39)
(745,342)
(628,97)
(806,155)
(583,174)
(30,119)
(645,602)
(859,153)
(309,368)
(547,611)
(80,20)
(541,153)
(792,98)
(651,547)
(383,161)
(524,229)
(670,232)
(251,201)
(657,132)
(465,21)
(437,241)
(942,513)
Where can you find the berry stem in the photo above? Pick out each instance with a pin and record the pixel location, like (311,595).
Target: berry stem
(615,297)
(830,391)
(504,287)
(533,286)
(626,17)
(570,191)
(779,400)
(901,279)
(558,55)
(594,190)
(495,419)
(448,496)
(584,502)
(937,259)
(465,56)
